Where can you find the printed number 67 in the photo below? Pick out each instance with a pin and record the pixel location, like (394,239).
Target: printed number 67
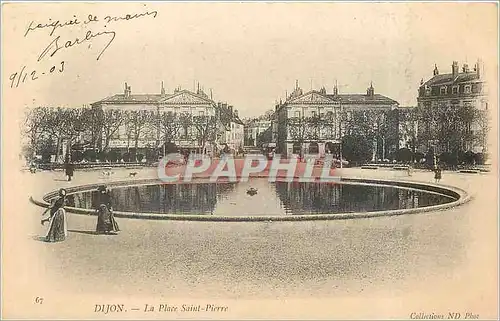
(38,300)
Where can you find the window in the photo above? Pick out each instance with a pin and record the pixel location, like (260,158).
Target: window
(443,90)
(427,90)
(454,90)
(468,89)
(201,113)
(297,114)
(313,113)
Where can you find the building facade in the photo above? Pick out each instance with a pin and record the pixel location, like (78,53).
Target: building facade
(453,110)
(254,131)
(315,122)
(189,120)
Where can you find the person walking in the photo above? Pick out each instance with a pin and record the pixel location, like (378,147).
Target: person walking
(437,174)
(70,170)
(106,223)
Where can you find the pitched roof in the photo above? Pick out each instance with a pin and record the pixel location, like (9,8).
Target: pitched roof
(136,98)
(449,79)
(362,99)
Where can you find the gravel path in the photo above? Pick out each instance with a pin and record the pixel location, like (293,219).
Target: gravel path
(425,253)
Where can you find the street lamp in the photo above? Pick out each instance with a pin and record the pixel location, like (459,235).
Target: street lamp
(340,133)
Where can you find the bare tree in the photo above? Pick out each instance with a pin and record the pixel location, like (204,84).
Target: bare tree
(34,127)
(111,121)
(482,122)
(206,129)
(302,128)
(169,126)
(137,122)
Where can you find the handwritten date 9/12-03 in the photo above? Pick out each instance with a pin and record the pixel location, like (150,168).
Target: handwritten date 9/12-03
(24,74)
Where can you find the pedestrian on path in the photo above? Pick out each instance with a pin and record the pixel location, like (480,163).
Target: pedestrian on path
(106,223)
(58,228)
(437,174)
(70,170)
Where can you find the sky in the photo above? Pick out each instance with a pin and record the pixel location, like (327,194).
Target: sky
(248,54)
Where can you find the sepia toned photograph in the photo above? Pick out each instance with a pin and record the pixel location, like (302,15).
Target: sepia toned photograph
(249,160)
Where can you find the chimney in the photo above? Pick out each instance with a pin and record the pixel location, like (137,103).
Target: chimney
(127,91)
(335,89)
(236,112)
(436,70)
(465,68)
(162,89)
(478,68)
(454,68)
(370,91)
(230,109)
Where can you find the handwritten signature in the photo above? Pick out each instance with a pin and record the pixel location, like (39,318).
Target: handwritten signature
(57,44)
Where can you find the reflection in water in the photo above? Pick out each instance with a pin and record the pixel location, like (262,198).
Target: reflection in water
(280,198)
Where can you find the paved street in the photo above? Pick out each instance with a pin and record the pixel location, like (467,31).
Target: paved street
(420,254)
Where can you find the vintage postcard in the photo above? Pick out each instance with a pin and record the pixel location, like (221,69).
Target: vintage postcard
(249,160)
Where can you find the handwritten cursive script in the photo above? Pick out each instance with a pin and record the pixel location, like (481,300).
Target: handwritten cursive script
(52,25)
(55,45)
(109,19)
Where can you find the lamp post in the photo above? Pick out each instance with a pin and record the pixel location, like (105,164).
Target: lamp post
(340,133)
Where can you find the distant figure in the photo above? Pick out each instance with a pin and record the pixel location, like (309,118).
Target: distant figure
(132,174)
(70,170)
(58,228)
(106,223)
(410,170)
(32,168)
(437,174)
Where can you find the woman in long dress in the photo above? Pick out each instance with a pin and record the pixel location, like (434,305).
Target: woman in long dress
(58,228)
(106,223)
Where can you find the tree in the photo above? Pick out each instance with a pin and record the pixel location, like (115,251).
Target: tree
(302,128)
(404,155)
(34,127)
(111,121)
(357,148)
(206,130)
(137,122)
(169,126)
(482,122)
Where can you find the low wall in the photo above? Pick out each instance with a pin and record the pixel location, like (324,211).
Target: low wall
(460,196)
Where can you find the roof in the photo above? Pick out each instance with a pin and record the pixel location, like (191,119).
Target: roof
(449,79)
(228,117)
(362,99)
(137,98)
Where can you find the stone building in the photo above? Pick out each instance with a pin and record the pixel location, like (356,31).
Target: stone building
(316,121)
(453,110)
(190,120)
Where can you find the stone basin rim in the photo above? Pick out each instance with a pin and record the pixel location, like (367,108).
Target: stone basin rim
(461,196)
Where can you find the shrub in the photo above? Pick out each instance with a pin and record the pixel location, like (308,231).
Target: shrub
(404,155)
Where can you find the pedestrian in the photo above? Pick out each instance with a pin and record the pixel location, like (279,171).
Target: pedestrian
(106,223)
(70,170)
(437,174)
(410,170)
(32,167)
(58,229)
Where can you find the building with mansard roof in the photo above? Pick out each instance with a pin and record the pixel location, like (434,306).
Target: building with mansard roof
(445,95)
(311,122)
